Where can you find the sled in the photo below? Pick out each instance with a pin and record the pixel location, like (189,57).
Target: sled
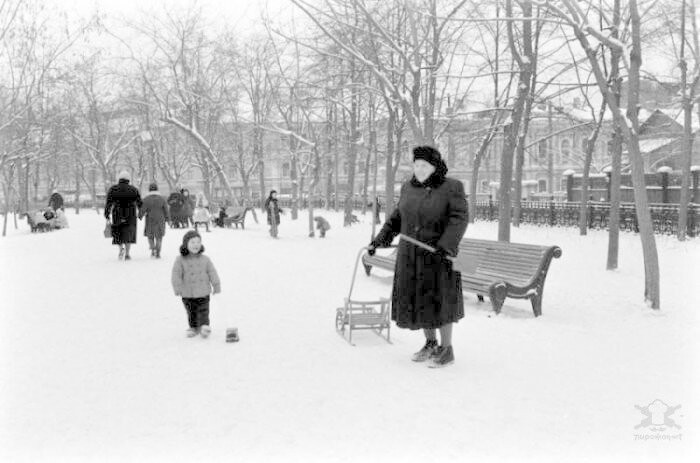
(363,315)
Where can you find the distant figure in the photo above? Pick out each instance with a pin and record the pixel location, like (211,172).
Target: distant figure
(273,213)
(59,220)
(201,217)
(219,221)
(121,206)
(155,208)
(322,225)
(187,207)
(193,278)
(56,200)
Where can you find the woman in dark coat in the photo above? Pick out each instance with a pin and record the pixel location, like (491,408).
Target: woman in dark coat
(121,207)
(187,207)
(427,292)
(175,204)
(155,208)
(56,200)
(273,212)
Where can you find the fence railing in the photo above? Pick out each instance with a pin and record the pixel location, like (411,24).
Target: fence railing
(664,217)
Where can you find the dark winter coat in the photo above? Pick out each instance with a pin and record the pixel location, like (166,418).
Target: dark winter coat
(56,201)
(155,208)
(121,206)
(187,203)
(272,208)
(427,292)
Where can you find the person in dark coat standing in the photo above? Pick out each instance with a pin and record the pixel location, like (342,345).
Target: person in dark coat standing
(56,200)
(427,292)
(187,207)
(155,208)
(273,212)
(123,201)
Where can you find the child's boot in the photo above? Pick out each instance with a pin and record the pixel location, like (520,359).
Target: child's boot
(205,331)
(191,332)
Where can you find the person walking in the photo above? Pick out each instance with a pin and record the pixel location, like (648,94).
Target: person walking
(193,278)
(273,212)
(155,209)
(123,201)
(427,292)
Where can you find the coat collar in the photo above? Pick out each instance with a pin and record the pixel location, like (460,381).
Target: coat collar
(436,179)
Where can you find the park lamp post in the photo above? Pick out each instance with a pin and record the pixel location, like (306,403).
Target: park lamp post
(569,174)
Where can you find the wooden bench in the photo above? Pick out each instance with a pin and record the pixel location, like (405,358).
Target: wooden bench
(37,222)
(502,270)
(235,216)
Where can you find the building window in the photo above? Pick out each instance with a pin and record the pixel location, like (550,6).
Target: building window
(584,145)
(565,148)
(542,151)
(285,169)
(542,186)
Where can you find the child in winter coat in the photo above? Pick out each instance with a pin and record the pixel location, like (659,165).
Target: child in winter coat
(193,278)
(322,225)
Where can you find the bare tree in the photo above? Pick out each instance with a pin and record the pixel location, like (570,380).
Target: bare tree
(576,18)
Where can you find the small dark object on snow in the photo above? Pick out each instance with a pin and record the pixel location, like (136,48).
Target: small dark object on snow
(232,335)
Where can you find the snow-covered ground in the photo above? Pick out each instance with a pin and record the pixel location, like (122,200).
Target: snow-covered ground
(95,365)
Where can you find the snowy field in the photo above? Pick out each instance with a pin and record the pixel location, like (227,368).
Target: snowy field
(95,365)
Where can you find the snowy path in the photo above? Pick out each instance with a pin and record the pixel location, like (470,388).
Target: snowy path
(94,364)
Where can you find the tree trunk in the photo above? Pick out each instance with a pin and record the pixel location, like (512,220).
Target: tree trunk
(590,147)
(616,147)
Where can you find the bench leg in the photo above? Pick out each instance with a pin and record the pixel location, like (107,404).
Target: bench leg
(536,301)
(368,268)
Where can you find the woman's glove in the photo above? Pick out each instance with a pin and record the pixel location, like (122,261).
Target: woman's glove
(442,253)
(372,248)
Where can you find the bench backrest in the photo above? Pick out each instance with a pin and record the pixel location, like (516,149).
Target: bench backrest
(233,211)
(516,263)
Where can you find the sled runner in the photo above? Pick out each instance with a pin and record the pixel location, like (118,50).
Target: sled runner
(363,315)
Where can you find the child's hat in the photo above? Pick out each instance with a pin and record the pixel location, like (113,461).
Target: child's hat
(189,235)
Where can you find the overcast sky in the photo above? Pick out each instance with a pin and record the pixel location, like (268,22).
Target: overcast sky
(243,15)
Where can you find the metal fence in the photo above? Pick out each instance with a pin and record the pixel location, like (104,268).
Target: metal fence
(664,217)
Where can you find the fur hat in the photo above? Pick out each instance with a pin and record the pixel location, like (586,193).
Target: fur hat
(428,154)
(433,157)
(186,239)
(124,175)
(153,187)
